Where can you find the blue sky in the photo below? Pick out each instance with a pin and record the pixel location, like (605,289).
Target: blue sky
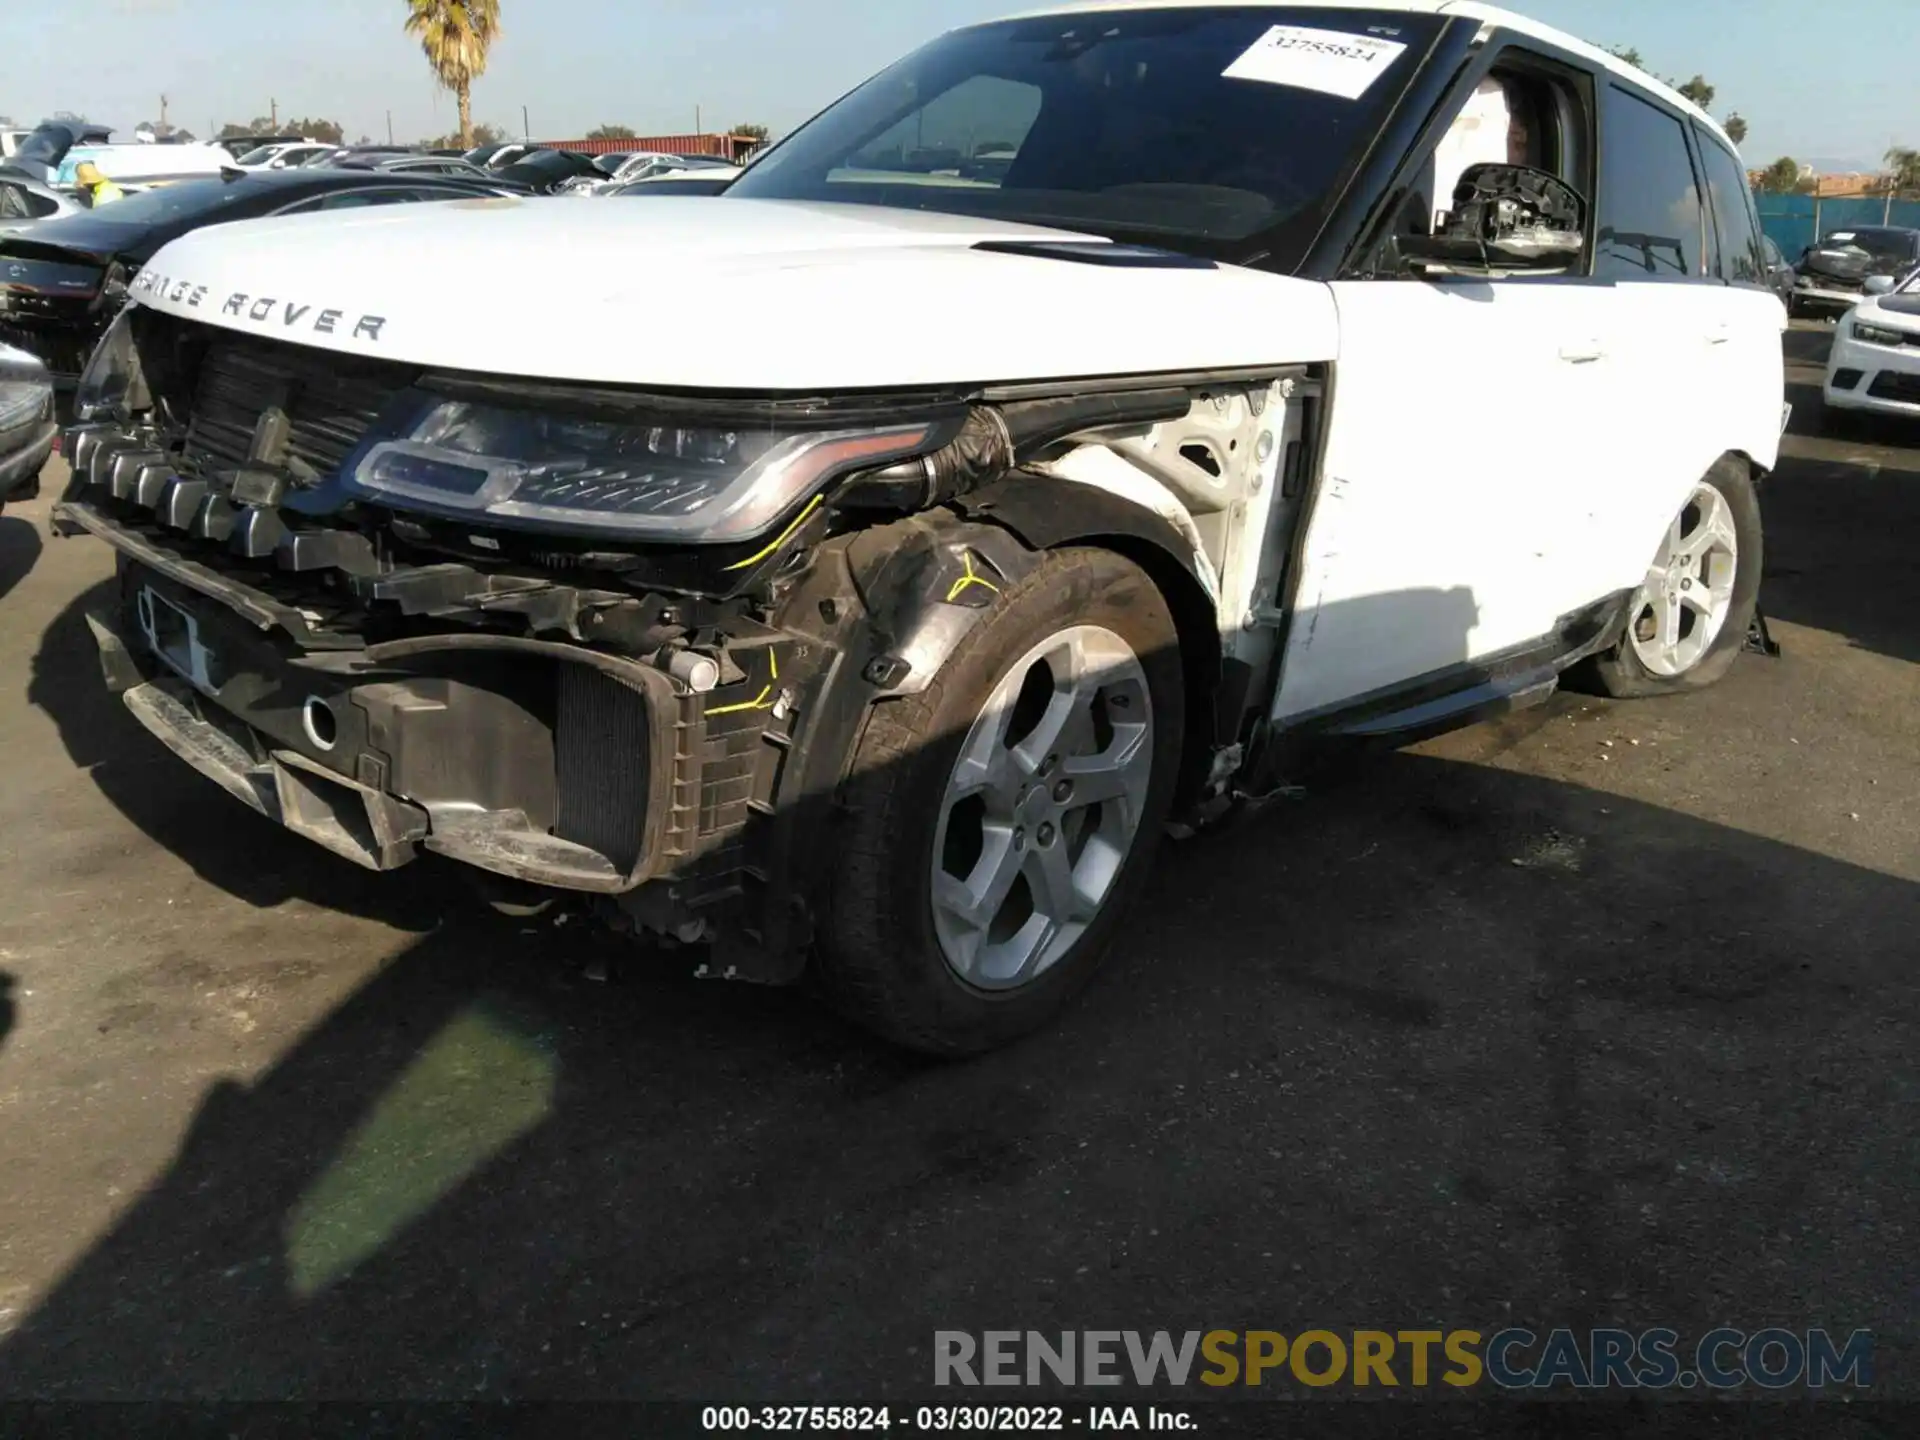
(649,63)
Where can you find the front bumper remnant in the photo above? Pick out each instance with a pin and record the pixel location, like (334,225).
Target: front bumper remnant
(532,766)
(353,821)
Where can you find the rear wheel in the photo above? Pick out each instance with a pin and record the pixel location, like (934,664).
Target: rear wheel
(1000,820)
(1690,617)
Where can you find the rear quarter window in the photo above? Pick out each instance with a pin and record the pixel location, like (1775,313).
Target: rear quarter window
(1652,218)
(1743,257)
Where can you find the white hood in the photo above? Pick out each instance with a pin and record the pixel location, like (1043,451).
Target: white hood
(723,294)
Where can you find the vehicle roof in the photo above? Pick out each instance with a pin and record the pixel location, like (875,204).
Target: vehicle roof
(1489,16)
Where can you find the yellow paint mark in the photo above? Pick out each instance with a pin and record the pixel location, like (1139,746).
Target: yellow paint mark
(763,700)
(970,578)
(784,536)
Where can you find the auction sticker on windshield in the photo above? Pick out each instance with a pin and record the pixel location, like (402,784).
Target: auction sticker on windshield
(1325,60)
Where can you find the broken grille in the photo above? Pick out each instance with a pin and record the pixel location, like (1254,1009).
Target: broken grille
(330,404)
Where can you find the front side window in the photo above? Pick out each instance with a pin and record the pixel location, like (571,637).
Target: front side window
(1743,260)
(1652,219)
(1218,130)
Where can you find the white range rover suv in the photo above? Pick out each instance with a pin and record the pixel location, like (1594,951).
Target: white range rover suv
(861,569)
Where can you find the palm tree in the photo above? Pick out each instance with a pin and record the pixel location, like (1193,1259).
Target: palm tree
(1903,166)
(456,36)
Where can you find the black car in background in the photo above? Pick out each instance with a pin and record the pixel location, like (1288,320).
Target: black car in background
(1831,276)
(61,282)
(544,171)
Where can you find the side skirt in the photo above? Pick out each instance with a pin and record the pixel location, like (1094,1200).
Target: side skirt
(1477,690)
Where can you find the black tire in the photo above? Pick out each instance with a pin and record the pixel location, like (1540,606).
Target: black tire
(1619,672)
(879,958)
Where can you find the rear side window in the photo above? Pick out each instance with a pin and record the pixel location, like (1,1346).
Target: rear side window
(1743,259)
(1652,220)
(19,203)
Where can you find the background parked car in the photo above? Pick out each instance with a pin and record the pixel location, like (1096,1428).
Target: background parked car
(411,164)
(62,282)
(238,145)
(544,171)
(26,423)
(41,153)
(498,156)
(1831,276)
(25,202)
(335,154)
(1873,367)
(662,185)
(142,164)
(284,156)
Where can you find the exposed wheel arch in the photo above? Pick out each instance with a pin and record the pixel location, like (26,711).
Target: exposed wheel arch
(1046,513)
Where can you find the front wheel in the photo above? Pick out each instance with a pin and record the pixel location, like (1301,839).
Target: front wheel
(998,822)
(1690,617)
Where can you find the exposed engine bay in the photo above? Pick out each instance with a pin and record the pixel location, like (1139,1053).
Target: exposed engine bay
(368,602)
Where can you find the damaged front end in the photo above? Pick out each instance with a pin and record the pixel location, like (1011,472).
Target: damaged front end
(612,644)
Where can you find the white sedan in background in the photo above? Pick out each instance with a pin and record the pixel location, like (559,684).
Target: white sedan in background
(1875,362)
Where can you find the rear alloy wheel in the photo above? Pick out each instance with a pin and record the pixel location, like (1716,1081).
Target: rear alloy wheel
(998,822)
(1690,617)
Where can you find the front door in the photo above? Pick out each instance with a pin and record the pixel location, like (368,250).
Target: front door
(1466,416)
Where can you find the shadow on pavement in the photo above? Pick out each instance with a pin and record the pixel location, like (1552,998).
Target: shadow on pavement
(1841,514)
(1448,1043)
(19,550)
(227,845)
(1438,1045)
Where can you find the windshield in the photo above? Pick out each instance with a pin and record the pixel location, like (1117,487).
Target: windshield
(260,156)
(1879,243)
(1194,128)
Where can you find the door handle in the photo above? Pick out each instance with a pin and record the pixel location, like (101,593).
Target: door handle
(1582,352)
(1719,334)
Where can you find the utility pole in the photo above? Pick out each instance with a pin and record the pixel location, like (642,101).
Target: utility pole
(526,126)
(697,131)
(163,115)
(389,127)
(273,107)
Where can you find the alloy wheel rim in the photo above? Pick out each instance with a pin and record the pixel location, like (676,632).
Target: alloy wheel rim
(1682,606)
(1042,807)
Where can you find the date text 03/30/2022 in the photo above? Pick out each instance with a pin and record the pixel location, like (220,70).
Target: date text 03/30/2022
(938,1419)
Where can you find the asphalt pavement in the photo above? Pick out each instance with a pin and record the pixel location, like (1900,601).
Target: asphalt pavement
(1603,1014)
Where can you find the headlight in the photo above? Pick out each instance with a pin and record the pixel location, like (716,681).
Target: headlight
(702,484)
(26,395)
(1878,334)
(111,387)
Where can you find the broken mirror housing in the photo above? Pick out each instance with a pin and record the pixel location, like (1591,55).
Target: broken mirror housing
(707,483)
(1506,218)
(26,396)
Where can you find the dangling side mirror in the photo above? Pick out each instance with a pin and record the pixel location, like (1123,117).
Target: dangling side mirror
(1505,219)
